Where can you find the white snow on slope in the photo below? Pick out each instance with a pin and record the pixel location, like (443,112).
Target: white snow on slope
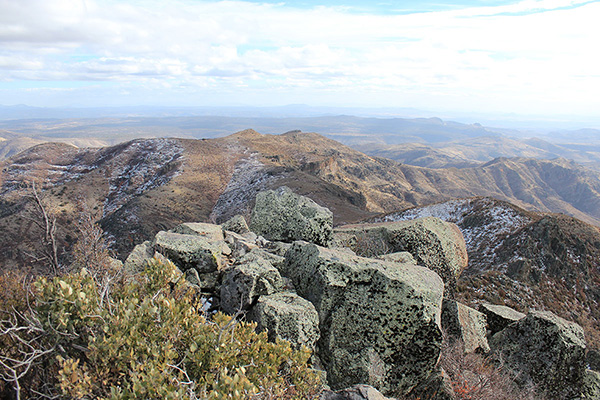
(142,166)
(250,176)
(484,223)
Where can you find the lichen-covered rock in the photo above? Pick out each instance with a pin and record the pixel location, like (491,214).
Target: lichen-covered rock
(262,256)
(402,257)
(189,251)
(243,283)
(591,385)
(433,243)
(236,224)
(544,349)
(137,260)
(466,324)
(437,386)
(592,358)
(285,216)
(287,316)
(277,248)
(192,276)
(211,232)
(379,321)
(206,283)
(239,244)
(499,317)
(250,236)
(357,392)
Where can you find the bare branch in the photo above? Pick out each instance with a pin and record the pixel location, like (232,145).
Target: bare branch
(46,222)
(28,339)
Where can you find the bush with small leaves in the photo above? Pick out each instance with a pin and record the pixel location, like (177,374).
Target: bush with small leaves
(151,339)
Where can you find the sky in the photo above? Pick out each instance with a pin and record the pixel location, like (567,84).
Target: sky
(537,57)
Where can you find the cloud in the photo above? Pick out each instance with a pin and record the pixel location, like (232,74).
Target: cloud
(518,51)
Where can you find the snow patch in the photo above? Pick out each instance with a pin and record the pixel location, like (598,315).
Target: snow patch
(249,177)
(142,166)
(484,223)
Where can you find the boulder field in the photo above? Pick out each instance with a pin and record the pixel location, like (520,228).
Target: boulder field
(376,324)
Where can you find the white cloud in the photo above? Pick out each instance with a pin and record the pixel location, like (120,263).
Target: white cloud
(526,52)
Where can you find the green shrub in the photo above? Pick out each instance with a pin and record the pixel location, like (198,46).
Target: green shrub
(150,339)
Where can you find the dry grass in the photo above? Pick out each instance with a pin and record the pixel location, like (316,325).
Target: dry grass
(474,377)
(477,377)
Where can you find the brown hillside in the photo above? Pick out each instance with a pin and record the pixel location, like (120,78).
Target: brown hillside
(147,185)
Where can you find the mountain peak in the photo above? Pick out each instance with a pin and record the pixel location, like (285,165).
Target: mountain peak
(247,134)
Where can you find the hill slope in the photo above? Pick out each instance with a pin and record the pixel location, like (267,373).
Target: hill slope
(524,259)
(472,152)
(147,185)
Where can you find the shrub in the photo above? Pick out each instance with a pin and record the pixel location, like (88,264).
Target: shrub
(150,339)
(477,377)
(22,340)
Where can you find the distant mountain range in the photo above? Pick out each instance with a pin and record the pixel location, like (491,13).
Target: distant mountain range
(475,151)
(426,142)
(538,123)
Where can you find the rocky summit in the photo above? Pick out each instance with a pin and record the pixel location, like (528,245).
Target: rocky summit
(378,294)
(300,218)
(396,306)
(377,324)
(433,243)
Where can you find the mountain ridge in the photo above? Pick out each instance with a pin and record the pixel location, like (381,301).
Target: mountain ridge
(143,186)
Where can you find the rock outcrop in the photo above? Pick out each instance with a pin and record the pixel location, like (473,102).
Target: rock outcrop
(591,385)
(592,358)
(240,245)
(546,350)
(287,316)
(499,317)
(197,249)
(433,243)
(244,282)
(401,257)
(465,324)
(370,321)
(284,216)
(379,321)
(189,251)
(236,224)
(210,232)
(137,260)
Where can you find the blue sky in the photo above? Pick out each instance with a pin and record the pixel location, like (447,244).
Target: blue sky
(525,57)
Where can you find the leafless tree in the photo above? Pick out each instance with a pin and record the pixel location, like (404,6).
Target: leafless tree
(478,377)
(45,220)
(92,251)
